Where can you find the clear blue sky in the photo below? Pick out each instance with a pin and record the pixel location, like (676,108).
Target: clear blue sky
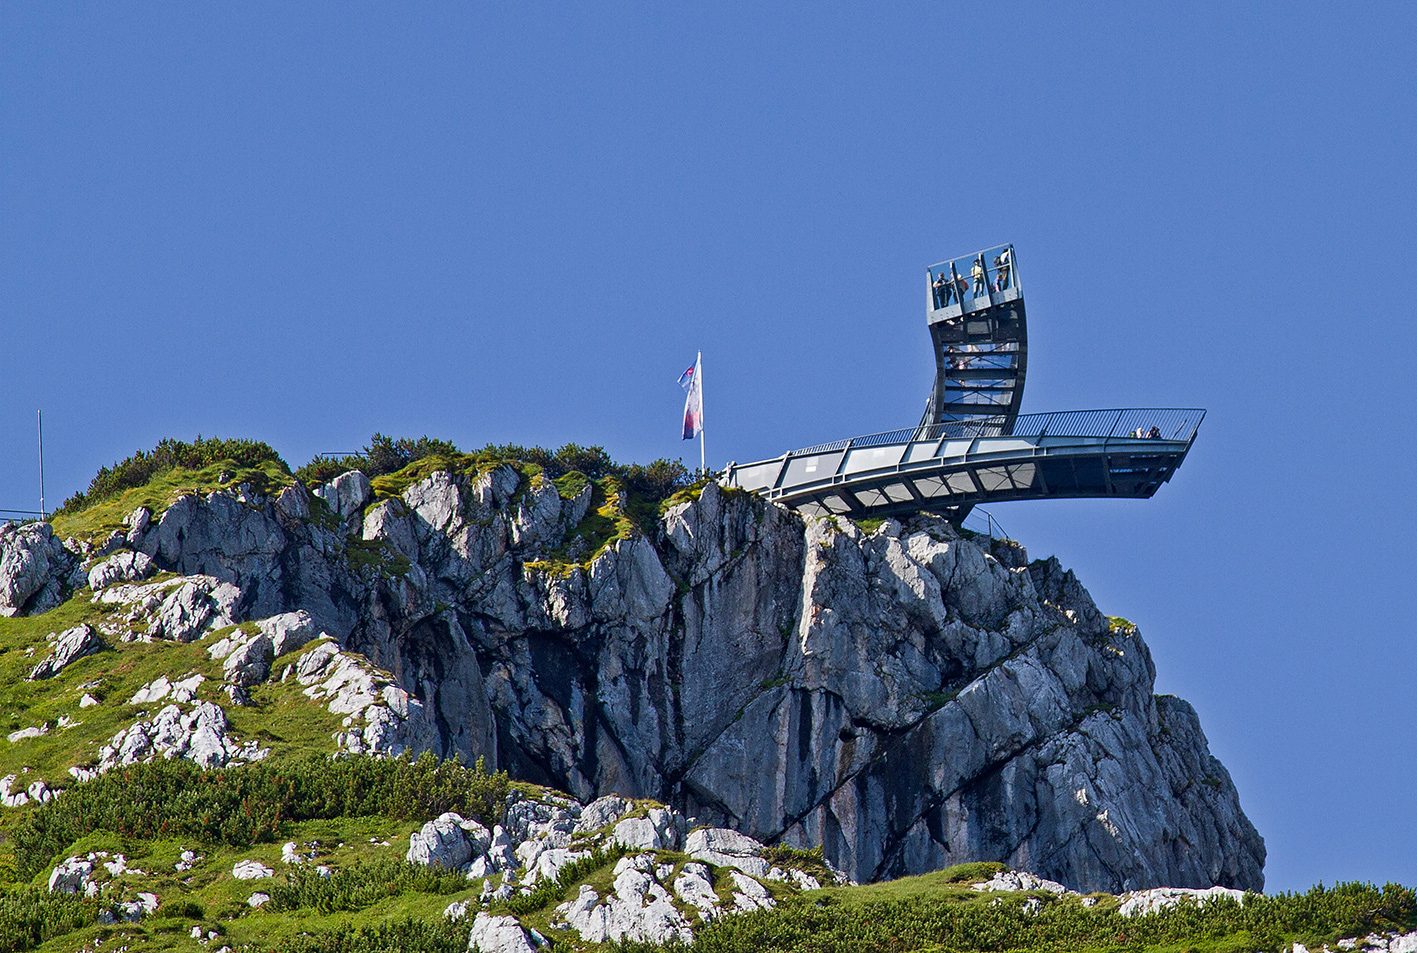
(518,222)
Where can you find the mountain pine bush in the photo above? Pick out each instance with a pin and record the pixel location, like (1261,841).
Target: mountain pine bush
(250,804)
(144,465)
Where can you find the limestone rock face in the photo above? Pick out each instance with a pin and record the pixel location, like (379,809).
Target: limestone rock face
(35,568)
(905,698)
(347,494)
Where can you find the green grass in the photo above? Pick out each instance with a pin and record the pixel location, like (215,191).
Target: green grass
(209,896)
(95,522)
(606,522)
(394,484)
(280,716)
(375,556)
(811,861)
(466,465)
(688,494)
(939,912)
(360,811)
(251,804)
(112,676)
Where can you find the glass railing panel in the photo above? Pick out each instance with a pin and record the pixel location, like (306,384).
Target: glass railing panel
(964,281)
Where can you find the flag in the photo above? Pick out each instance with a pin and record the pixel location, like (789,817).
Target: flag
(694,400)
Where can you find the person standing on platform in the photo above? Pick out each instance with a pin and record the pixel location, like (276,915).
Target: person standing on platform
(980,276)
(941,291)
(1004,265)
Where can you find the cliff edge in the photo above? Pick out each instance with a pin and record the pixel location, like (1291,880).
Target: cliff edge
(904,695)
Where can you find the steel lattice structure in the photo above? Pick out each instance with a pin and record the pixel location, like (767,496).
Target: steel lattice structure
(972,446)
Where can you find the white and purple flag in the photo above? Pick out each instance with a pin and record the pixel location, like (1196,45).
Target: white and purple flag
(694,400)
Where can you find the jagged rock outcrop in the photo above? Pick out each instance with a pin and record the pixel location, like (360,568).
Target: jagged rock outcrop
(69,646)
(906,697)
(545,833)
(201,734)
(126,566)
(35,568)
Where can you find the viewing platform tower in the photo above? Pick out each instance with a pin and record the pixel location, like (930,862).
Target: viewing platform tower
(972,446)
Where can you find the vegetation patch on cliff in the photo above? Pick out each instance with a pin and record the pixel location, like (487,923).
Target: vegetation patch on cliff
(86,518)
(606,522)
(200,455)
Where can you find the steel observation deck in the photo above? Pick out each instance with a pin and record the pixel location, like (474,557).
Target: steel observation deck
(971,445)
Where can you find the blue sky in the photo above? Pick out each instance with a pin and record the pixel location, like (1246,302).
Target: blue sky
(518,222)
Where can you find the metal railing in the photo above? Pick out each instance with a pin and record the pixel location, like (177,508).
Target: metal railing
(956,281)
(991,526)
(1169,423)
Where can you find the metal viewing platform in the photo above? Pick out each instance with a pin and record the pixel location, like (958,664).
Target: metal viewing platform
(979,335)
(971,445)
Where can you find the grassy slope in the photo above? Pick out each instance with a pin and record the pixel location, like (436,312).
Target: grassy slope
(280,716)
(98,521)
(939,913)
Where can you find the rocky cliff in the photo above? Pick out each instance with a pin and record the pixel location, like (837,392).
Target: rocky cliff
(905,696)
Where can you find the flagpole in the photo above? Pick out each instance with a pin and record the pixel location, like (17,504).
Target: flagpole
(703,467)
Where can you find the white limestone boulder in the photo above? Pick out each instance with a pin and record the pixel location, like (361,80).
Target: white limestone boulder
(126,566)
(503,934)
(722,847)
(69,646)
(448,840)
(1138,903)
(72,876)
(251,870)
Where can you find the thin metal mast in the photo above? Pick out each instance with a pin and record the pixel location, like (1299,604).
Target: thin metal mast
(39,421)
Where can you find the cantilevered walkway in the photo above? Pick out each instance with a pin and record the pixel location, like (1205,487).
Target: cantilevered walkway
(972,446)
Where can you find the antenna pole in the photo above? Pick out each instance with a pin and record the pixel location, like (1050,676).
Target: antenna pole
(39,421)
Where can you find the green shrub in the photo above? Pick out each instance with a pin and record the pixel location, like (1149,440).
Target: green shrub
(383,455)
(401,936)
(387,455)
(937,921)
(31,915)
(812,861)
(180,910)
(657,480)
(360,886)
(250,804)
(170,454)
